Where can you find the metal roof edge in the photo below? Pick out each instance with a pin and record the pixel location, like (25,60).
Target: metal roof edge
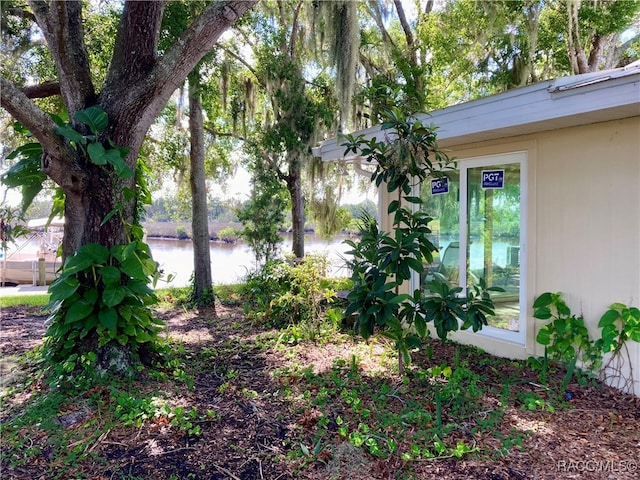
(546,101)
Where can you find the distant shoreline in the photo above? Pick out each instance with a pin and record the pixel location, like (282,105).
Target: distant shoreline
(170,229)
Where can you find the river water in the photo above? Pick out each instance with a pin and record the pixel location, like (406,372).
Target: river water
(231,262)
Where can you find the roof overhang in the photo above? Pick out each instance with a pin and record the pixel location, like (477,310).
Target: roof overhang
(560,103)
(44,222)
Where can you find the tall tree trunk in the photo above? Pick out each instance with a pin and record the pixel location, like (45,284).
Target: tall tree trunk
(197,180)
(294,185)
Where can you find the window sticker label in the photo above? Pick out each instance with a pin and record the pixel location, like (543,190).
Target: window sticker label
(492,179)
(439,186)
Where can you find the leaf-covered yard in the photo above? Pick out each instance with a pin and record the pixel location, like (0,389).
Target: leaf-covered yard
(240,400)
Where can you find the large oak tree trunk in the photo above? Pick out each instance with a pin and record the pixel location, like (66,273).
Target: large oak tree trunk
(86,210)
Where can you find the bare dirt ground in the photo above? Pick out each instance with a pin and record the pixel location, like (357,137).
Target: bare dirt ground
(252,435)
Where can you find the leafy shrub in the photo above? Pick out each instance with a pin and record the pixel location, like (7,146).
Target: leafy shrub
(619,324)
(181,233)
(290,292)
(229,234)
(565,338)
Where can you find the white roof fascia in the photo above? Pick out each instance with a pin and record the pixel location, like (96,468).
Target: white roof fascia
(43,222)
(560,103)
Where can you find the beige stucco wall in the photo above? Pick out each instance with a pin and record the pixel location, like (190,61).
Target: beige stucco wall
(583,222)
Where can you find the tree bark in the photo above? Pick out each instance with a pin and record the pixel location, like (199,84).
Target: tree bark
(197,180)
(294,185)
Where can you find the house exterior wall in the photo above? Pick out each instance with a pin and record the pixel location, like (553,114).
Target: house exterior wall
(583,223)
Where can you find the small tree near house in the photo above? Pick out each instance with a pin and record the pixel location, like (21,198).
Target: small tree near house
(383,262)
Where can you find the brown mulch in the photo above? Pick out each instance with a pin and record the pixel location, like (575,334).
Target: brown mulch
(254,428)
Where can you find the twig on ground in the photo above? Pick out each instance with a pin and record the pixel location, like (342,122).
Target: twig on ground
(225,471)
(260,468)
(98,441)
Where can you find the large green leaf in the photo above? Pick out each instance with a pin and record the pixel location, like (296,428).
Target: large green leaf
(26,173)
(133,267)
(98,253)
(113,295)
(543,300)
(110,275)
(97,154)
(542,313)
(609,318)
(62,288)
(94,117)
(544,336)
(122,169)
(77,263)
(109,318)
(28,150)
(78,311)
(70,134)
(420,325)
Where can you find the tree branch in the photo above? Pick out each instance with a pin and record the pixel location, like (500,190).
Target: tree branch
(63,30)
(375,13)
(42,90)
(141,103)
(406,28)
(56,161)
(19,12)
(294,30)
(139,27)
(20,107)
(245,63)
(216,133)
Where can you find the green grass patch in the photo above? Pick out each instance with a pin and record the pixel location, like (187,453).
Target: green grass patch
(31,300)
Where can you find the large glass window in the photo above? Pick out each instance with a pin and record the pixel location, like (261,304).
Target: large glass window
(478,223)
(445,210)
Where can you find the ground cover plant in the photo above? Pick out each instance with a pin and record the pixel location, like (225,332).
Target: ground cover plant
(242,396)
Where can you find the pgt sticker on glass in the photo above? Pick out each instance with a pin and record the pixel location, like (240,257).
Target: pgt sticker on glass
(439,186)
(492,179)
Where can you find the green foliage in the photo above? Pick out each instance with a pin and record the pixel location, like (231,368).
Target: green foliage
(566,338)
(229,234)
(101,296)
(26,173)
(419,419)
(263,215)
(181,232)
(10,226)
(284,293)
(445,306)
(619,324)
(86,138)
(96,120)
(567,341)
(383,262)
